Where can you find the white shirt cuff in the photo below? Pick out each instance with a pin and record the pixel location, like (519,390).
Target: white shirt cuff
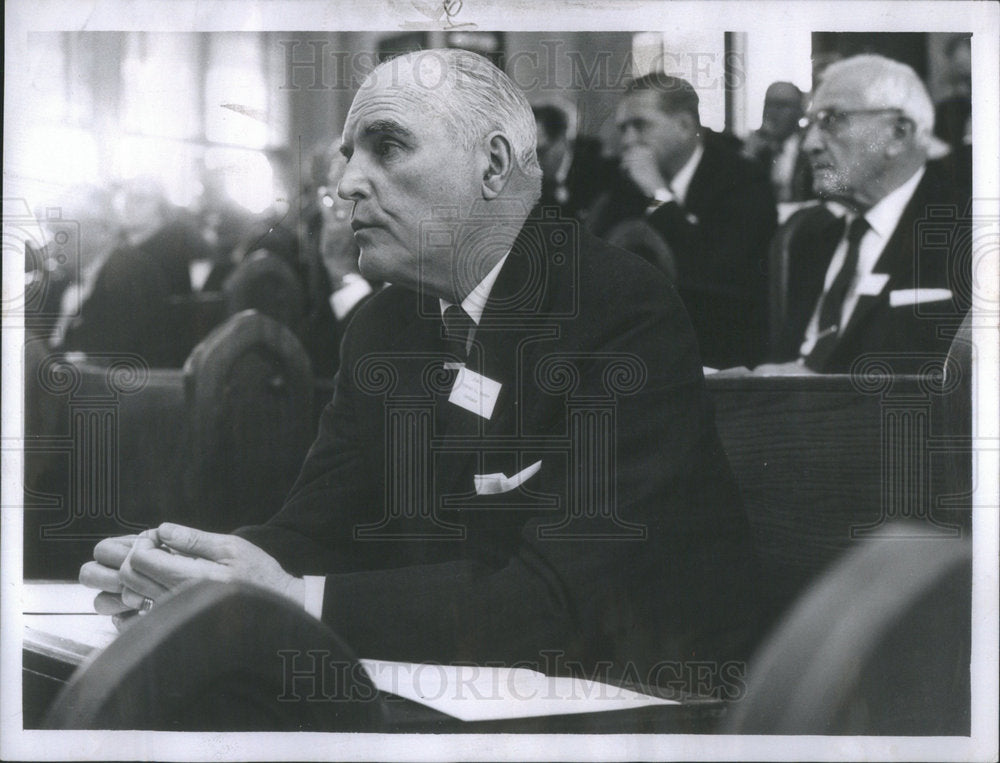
(313,599)
(354,289)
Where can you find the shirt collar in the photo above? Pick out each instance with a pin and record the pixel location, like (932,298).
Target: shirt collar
(681,180)
(475,302)
(884,216)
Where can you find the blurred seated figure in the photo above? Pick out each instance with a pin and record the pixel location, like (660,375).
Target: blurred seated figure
(883,266)
(713,208)
(224,225)
(574,173)
(335,285)
(777,144)
(152,225)
(953,113)
(80,231)
(120,304)
(265,282)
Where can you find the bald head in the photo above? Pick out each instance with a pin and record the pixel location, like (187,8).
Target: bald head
(782,110)
(433,139)
(467,92)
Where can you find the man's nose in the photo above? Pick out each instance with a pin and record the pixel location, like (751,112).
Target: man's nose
(812,141)
(353,184)
(629,136)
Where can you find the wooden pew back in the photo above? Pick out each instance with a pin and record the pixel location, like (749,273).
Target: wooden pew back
(824,462)
(116,447)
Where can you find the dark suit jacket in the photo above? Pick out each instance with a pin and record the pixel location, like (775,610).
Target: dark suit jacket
(587,178)
(929,249)
(719,240)
(126,311)
(601,382)
(173,247)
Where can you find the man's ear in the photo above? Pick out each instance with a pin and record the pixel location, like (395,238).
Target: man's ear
(500,164)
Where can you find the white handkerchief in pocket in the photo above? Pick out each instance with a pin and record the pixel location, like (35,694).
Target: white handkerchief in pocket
(492,484)
(903,297)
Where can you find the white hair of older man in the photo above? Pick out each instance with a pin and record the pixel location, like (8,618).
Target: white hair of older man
(473,96)
(884,83)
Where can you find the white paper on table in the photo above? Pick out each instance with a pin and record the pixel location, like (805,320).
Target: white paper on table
(477,693)
(56,597)
(93,631)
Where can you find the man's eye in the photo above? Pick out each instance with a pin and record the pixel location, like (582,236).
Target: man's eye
(386,148)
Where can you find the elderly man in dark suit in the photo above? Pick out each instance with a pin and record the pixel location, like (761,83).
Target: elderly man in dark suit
(881,268)
(539,471)
(713,208)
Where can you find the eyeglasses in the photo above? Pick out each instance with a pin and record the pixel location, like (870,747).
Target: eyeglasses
(831,120)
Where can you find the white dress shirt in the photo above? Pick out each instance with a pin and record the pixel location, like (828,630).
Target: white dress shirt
(681,180)
(882,220)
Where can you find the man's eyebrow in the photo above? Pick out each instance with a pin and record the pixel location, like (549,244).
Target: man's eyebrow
(388,126)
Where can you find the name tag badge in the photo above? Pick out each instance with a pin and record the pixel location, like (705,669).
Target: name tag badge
(475,393)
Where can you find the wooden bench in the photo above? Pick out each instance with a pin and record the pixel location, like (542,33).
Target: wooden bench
(824,462)
(122,447)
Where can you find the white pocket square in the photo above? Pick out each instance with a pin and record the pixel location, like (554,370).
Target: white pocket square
(491,484)
(903,297)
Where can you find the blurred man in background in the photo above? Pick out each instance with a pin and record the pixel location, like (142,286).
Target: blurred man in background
(574,173)
(81,229)
(713,208)
(776,145)
(335,286)
(123,302)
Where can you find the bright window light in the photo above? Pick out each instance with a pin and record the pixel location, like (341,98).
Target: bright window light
(775,55)
(159,78)
(61,155)
(235,92)
(175,163)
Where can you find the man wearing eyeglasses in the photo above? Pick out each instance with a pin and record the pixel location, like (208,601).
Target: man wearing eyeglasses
(878,268)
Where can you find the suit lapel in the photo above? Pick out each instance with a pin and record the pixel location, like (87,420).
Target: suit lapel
(811,243)
(896,260)
(518,297)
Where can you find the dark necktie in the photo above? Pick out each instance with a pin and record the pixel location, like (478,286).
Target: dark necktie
(449,420)
(457,328)
(832,302)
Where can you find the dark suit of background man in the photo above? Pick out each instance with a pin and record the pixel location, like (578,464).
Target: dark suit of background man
(896,291)
(714,209)
(574,172)
(125,301)
(777,144)
(447,534)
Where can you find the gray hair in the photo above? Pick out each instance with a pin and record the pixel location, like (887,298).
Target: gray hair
(475,98)
(884,83)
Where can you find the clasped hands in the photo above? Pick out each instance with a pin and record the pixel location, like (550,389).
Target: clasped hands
(128,569)
(640,164)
